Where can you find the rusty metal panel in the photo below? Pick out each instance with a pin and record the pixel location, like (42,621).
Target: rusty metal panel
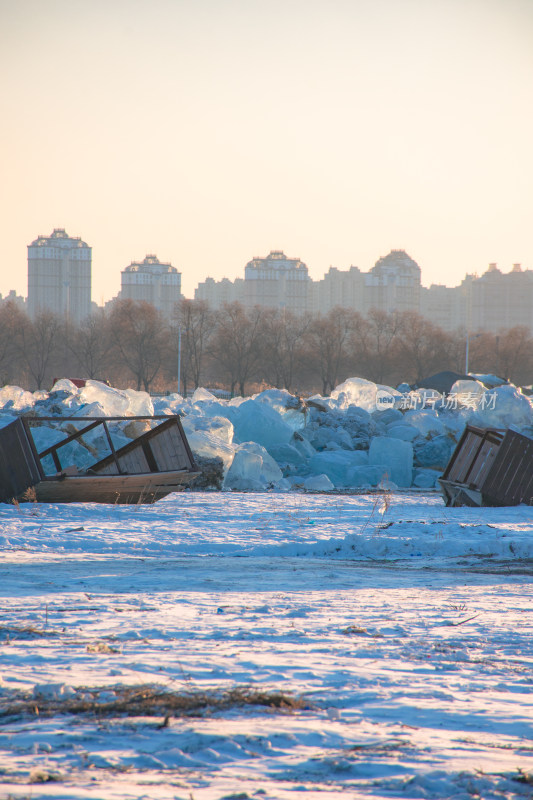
(18,466)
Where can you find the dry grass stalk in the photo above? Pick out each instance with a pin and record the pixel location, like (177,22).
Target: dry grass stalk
(148,701)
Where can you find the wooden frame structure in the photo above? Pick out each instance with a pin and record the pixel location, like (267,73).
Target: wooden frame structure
(152,465)
(489,467)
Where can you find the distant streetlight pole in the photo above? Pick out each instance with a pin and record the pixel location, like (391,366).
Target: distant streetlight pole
(179,357)
(468,337)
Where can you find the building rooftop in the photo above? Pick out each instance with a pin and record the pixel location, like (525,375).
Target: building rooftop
(396,260)
(58,238)
(151,264)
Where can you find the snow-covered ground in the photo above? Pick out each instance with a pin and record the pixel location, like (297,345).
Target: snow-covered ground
(404,628)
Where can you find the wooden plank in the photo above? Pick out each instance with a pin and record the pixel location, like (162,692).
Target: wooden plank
(167,451)
(485,467)
(509,480)
(465,455)
(133,461)
(141,488)
(481,465)
(523,487)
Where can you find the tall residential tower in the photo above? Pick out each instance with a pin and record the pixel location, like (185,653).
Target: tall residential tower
(59,276)
(152,281)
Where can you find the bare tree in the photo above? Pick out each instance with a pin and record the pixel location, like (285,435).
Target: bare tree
(508,353)
(139,338)
(375,339)
(38,343)
(91,344)
(12,320)
(196,321)
(328,348)
(236,343)
(421,348)
(283,346)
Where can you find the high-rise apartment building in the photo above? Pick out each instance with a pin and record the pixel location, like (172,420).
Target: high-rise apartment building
(152,282)
(274,282)
(393,284)
(500,300)
(59,276)
(493,301)
(277,282)
(343,288)
(218,293)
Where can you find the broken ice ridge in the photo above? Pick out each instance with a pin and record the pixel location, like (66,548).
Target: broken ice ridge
(275,440)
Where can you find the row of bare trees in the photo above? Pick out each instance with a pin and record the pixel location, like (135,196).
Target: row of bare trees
(132,344)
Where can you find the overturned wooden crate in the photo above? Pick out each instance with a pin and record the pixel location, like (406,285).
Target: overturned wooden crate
(489,467)
(152,465)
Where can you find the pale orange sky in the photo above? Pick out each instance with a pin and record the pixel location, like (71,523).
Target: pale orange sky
(211,131)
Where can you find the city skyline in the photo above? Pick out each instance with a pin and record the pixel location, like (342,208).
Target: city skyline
(152,259)
(60,278)
(336,131)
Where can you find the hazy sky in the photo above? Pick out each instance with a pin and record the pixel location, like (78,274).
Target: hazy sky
(211,131)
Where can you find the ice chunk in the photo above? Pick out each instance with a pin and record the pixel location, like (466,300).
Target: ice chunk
(235,402)
(72,454)
(65,385)
(257,422)
(426,478)
(208,446)
(504,407)
(397,453)
(286,455)
(113,402)
(454,421)
(139,403)
(97,443)
(405,432)
(336,465)
(13,398)
(435,453)
(44,437)
(116,402)
(369,475)
(91,410)
(216,426)
(318,483)
(389,416)
(252,469)
(170,404)
(270,472)
(426,421)
(203,396)
(465,387)
(245,472)
(284,485)
(365,394)
(304,447)
(356,392)
(325,435)
(290,408)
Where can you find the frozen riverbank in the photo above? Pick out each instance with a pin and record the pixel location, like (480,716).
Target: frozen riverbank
(415,674)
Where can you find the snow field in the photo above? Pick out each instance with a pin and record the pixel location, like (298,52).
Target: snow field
(407,630)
